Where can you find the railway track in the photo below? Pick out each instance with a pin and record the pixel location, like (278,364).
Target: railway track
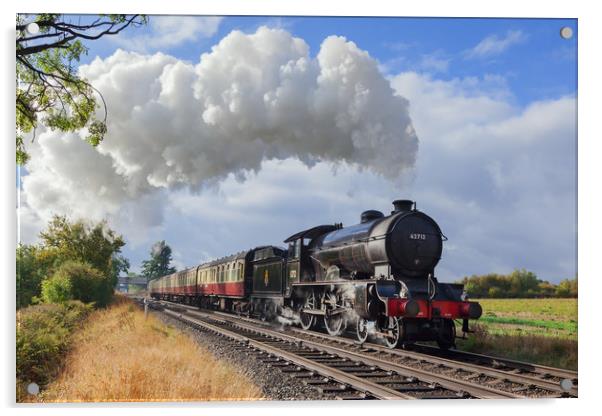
(533,371)
(334,372)
(524,379)
(529,380)
(369,371)
(518,379)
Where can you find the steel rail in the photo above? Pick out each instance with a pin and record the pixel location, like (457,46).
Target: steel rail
(518,365)
(433,358)
(442,380)
(457,364)
(373,389)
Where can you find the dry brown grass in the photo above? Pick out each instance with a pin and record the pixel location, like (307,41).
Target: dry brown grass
(122,356)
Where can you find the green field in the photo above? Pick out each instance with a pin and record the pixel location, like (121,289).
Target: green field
(542,331)
(545,317)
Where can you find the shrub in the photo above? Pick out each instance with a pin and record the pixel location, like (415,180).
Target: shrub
(43,333)
(80,281)
(57,289)
(34,264)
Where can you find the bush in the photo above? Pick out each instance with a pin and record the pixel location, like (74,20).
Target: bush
(79,281)
(57,289)
(34,264)
(43,333)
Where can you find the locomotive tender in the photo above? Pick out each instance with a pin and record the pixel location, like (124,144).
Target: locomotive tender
(377,276)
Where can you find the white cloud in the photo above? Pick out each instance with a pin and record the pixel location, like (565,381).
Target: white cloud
(494,45)
(254,97)
(242,148)
(499,179)
(433,63)
(169,31)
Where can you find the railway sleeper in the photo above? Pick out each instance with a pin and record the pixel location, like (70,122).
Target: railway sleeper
(332,388)
(317,381)
(279,364)
(292,369)
(353,396)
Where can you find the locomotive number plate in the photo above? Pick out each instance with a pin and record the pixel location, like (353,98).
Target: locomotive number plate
(417,236)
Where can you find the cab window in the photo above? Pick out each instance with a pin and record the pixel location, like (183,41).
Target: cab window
(294,249)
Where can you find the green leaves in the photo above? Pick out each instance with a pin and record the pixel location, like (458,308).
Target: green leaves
(22,155)
(57,289)
(96,132)
(74,249)
(80,281)
(94,244)
(49,90)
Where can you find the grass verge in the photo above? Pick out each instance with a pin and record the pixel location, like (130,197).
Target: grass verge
(537,349)
(120,355)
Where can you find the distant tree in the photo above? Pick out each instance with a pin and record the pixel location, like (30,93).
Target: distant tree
(546,289)
(48,85)
(159,263)
(495,292)
(567,288)
(480,286)
(518,284)
(523,283)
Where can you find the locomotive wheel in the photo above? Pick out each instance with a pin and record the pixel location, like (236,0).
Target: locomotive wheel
(335,324)
(308,320)
(393,330)
(361,330)
(447,335)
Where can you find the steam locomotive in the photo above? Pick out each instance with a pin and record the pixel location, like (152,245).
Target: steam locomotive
(377,277)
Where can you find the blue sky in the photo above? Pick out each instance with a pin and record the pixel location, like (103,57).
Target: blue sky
(538,65)
(491,103)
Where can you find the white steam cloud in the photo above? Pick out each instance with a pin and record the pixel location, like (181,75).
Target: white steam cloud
(254,97)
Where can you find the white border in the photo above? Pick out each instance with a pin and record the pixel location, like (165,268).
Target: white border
(590,208)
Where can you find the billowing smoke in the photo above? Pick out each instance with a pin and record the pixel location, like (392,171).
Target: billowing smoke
(252,98)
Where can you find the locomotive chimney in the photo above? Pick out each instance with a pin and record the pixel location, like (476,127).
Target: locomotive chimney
(403,205)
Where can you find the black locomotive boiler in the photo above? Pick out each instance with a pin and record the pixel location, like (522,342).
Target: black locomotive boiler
(377,276)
